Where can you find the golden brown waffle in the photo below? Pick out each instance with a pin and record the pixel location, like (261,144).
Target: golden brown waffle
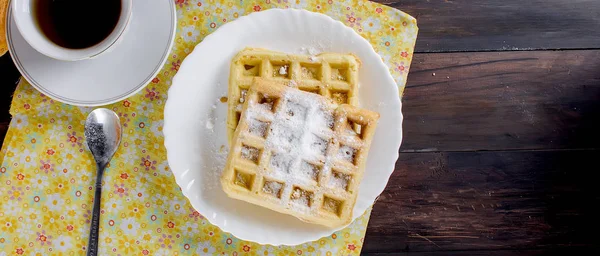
(332,75)
(299,153)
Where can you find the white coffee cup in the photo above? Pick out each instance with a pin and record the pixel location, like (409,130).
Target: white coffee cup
(22,11)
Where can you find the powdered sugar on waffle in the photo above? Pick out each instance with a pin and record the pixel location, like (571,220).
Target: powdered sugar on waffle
(312,52)
(294,124)
(298,135)
(339,181)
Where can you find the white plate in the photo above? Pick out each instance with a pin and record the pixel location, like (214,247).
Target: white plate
(193,107)
(114,75)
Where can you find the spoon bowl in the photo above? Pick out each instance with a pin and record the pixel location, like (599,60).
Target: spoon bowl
(103,134)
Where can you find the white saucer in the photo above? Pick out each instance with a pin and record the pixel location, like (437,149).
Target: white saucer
(113,76)
(195,131)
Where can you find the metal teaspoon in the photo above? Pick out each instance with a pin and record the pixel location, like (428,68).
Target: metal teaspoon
(103,136)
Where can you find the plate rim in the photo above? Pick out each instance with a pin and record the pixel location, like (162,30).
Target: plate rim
(169,104)
(83,103)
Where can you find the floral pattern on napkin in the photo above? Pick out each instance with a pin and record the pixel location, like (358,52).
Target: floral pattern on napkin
(47,174)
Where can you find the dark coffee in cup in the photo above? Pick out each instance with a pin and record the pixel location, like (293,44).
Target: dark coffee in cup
(76,24)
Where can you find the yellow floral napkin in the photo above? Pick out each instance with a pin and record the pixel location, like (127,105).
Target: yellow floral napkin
(47,174)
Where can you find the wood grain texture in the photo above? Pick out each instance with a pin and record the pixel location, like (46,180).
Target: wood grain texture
(3,130)
(502,101)
(571,250)
(484,25)
(9,76)
(487,200)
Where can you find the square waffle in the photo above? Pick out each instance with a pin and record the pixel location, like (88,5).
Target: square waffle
(299,153)
(332,75)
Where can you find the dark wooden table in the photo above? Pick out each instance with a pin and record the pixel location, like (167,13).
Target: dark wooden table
(501,131)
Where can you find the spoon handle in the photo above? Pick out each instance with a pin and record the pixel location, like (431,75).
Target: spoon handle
(95,223)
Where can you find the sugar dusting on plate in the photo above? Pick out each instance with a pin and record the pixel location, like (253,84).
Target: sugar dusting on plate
(218,151)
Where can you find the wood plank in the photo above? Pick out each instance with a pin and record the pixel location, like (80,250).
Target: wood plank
(487,200)
(571,250)
(3,130)
(483,25)
(9,76)
(502,100)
